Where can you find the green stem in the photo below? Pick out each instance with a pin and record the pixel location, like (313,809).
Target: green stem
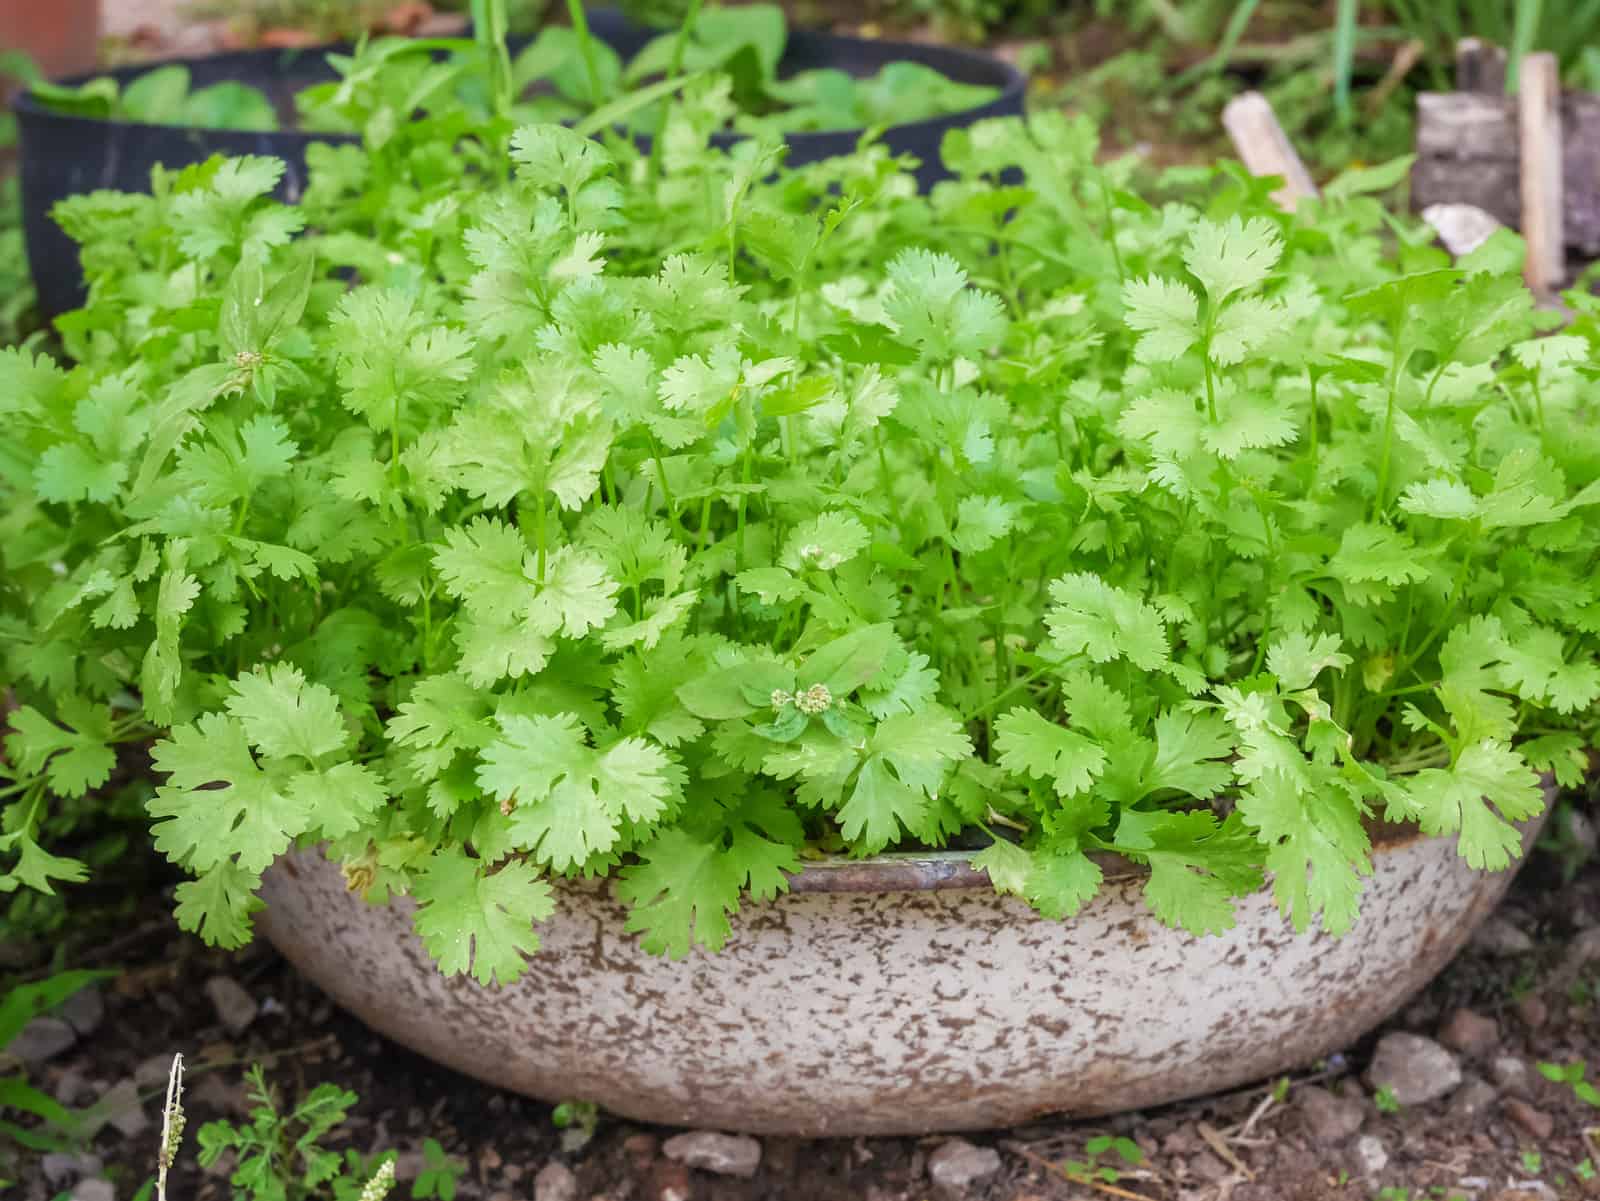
(580,23)
(539,535)
(1316,422)
(681,45)
(1388,435)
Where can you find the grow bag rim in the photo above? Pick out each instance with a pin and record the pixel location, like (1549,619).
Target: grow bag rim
(1011,83)
(941,871)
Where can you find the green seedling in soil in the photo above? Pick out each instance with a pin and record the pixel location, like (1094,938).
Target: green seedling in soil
(1386,1101)
(1532,1161)
(1089,1169)
(577,1121)
(1573,1074)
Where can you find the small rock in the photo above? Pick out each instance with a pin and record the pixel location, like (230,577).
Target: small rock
(236,1009)
(61,1169)
(212,1092)
(1470,1033)
(640,1150)
(669,1181)
(1528,1190)
(720,1154)
(153,1071)
(1461,227)
(84,1010)
(41,1039)
(1583,950)
(1207,1167)
(1415,1069)
(1533,1121)
(1500,938)
(120,1104)
(95,1189)
(1182,1141)
(555,1182)
(72,1089)
(957,1165)
(1472,1099)
(1372,1157)
(1509,1073)
(1329,1120)
(1532,1011)
(408,1165)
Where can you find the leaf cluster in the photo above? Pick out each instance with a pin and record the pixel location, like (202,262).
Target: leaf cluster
(525,508)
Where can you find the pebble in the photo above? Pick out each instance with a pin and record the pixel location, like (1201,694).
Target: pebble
(61,1169)
(41,1039)
(120,1103)
(720,1154)
(1501,939)
(1181,1141)
(1532,1121)
(1371,1156)
(1470,1033)
(1461,227)
(640,1150)
(957,1165)
(669,1181)
(555,1182)
(236,1009)
(1472,1099)
(1415,1069)
(84,1010)
(95,1189)
(1329,1119)
(153,1071)
(1207,1167)
(1509,1073)
(1532,1011)
(1583,950)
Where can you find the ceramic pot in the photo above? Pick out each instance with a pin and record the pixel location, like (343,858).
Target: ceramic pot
(896,995)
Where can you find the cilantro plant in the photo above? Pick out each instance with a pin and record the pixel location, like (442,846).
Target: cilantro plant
(545,509)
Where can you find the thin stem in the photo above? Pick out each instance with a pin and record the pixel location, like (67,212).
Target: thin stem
(580,23)
(681,45)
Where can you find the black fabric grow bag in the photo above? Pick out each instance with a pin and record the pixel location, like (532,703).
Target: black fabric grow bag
(62,155)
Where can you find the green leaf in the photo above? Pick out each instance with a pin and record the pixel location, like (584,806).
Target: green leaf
(1032,746)
(476,921)
(1488,787)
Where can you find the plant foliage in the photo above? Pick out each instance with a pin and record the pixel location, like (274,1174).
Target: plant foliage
(521,507)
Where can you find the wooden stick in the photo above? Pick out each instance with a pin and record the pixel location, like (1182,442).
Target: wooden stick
(1539,127)
(1265,149)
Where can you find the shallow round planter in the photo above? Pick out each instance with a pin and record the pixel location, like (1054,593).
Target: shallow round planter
(62,154)
(893,996)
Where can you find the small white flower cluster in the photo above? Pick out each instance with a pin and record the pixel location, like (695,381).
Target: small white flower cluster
(382,1181)
(810,701)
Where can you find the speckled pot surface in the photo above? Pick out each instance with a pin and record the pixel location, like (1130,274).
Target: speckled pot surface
(894,996)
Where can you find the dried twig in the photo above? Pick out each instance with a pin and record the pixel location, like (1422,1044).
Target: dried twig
(1077,1178)
(1220,1145)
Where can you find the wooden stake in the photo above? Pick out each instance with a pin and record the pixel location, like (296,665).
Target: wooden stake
(1265,149)
(1539,129)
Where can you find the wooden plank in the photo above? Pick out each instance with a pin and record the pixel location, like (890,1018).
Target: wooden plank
(1540,176)
(1467,153)
(1265,149)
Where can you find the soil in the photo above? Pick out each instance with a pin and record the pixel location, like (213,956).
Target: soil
(1255,1144)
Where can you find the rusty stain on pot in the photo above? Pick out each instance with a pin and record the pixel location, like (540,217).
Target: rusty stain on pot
(894,995)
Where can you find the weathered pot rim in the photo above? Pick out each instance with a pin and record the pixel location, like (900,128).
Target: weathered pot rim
(947,871)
